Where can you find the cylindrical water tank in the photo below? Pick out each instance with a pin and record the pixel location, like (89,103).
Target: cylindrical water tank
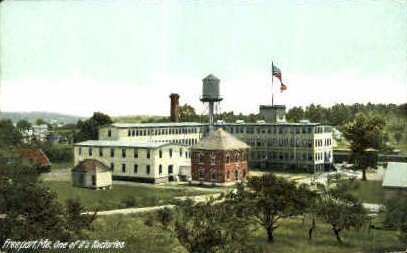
(210,89)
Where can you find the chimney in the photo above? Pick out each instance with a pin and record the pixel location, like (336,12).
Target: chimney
(174,107)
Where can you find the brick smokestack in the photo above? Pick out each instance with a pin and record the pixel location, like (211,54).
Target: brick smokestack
(174,107)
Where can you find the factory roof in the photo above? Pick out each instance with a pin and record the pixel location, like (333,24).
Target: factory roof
(196,124)
(396,175)
(162,124)
(36,156)
(125,144)
(220,140)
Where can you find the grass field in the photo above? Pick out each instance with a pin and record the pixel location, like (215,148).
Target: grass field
(291,236)
(370,192)
(121,196)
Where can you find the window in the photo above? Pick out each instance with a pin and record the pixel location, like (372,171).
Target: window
(236,175)
(135,153)
(200,158)
(93,180)
(214,176)
(123,168)
(201,175)
(160,169)
(100,152)
(148,154)
(160,153)
(170,151)
(227,175)
(180,152)
(111,166)
(129,132)
(133,133)
(148,169)
(227,159)
(170,169)
(123,153)
(109,133)
(213,159)
(80,151)
(135,168)
(90,151)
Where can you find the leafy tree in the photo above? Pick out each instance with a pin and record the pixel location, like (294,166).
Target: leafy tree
(23,125)
(271,198)
(396,215)
(315,113)
(187,113)
(295,114)
(364,132)
(339,208)
(9,135)
(88,129)
(30,210)
(205,227)
(40,121)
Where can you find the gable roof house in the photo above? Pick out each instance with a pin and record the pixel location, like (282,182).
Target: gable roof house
(91,173)
(37,157)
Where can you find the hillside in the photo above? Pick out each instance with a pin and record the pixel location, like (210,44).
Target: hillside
(47,116)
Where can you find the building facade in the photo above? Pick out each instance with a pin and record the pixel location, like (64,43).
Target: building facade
(91,173)
(219,159)
(152,162)
(299,146)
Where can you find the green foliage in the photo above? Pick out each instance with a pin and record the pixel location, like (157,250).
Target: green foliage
(295,114)
(9,135)
(40,121)
(339,208)
(23,125)
(88,129)
(271,198)
(30,210)
(187,113)
(55,152)
(205,227)
(364,132)
(396,215)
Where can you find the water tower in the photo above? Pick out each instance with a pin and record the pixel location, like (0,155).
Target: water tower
(211,95)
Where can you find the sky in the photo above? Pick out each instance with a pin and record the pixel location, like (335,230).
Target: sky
(126,57)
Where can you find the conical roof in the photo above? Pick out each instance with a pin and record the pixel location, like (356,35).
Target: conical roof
(220,140)
(211,77)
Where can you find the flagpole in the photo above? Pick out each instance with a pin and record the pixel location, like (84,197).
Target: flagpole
(272,84)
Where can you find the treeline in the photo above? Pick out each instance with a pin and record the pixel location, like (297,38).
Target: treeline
(340,114)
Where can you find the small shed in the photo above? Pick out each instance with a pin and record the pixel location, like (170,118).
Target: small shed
(37,157)
(395,179)
(91,173)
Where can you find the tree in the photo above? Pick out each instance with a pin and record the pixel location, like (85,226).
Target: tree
(271,198)
(339,208)
(396,215)
(205,227)
(30,211)
(40,121)
(295,114)
(23,125)
(187,113)
(315,113)
(88,129)
(364,132)
(9,135)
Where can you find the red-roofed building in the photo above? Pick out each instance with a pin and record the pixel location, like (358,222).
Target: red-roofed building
(37,158)
(91,173)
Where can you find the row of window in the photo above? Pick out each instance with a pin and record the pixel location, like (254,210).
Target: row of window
(278,129)
(323,142)
(135,152)
(215,175)
(163,131)
(291,156)
(124,168)
(236,158)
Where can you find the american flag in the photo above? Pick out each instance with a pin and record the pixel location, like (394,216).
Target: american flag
(277,73)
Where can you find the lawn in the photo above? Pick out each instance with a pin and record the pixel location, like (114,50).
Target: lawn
(291,236)
(121,196)
(369,191)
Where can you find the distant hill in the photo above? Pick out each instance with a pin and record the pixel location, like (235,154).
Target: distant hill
(47,116)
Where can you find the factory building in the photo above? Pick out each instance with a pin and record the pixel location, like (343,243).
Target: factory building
(150,162)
